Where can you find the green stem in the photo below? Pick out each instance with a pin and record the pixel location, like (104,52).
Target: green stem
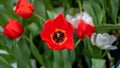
(110,60)
(78,41)
(104,27)
(105,53)
(80,6)
(39,17)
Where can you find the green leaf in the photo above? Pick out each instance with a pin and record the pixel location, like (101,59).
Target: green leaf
(22,54)
(66,59)
(40,8)
(115,8)
(106,27)
(72,56)
(35,52)
(98,12)
(9,42)
(4,63)
(94,51)
(57,61)
(48,4)
(98,63)
(51,14)
(88,8)
(8,57)
(9,7)
(33,27)
(87,51)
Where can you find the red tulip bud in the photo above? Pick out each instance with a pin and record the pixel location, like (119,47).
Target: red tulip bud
(13,29)
(24,9)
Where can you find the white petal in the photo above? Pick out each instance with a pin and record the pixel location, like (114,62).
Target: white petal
(87,18)
(1,29)
(110,47)
(73,21)
(93,38)
(76,19)
(79,15)
(3,52)
(112,39)
(101,40)
(69,18)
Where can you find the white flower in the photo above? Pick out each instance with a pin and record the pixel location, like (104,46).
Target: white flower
(1,29)
(76,19)
(104,41)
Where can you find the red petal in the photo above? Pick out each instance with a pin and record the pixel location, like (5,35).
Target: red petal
(60,21)
(24,9)
(81,29)
(69,44)
(24,12)
(89,31)
(69,29)
(47,30)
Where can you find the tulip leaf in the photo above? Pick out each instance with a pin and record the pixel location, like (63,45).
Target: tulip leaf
(22,52)
(4,63)
(51,14)
(89,9)
(9,58)
(34,51)
(106,27)
(98,63)
(72,56)
(57,61)
(33,27)
(40,8)
(66,59)
(98,12)
(8,42)
(94,51)
(87,51)
(115,7)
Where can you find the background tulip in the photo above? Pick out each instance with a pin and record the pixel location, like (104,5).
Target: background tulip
(24,9)
(104,41)
(13,29)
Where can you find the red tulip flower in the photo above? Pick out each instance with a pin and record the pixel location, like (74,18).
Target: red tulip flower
(24,9)
(13,29)
(58,34)
(83,24)
(84,29)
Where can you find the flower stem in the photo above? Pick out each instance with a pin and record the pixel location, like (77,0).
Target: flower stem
(110,60)
(105,27)
(80,6)
(105,53)
(39,17)
(78,41)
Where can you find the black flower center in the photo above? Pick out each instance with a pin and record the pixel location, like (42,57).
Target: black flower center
(58,36)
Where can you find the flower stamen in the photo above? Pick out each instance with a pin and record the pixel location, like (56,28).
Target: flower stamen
(58,36)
